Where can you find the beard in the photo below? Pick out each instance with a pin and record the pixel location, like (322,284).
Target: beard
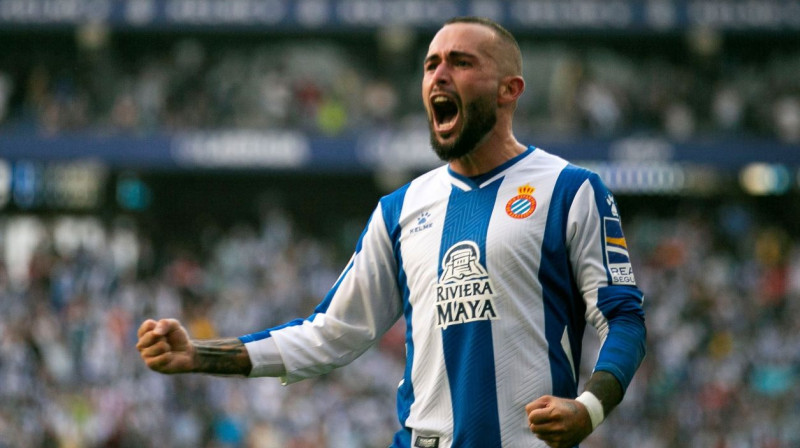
(479,118)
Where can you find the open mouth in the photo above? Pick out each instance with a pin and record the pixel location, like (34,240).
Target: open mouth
(445,113)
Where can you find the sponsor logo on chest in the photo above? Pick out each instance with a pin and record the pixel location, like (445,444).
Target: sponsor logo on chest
(464,292)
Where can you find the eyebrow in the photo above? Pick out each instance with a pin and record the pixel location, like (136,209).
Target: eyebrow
(451,54)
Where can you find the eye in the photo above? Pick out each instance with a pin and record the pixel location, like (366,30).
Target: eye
(430,66)
(462,63)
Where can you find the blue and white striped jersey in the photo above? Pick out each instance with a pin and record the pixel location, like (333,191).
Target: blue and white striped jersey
(496,277)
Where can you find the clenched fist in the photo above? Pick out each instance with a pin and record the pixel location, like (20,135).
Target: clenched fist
(559,422)
(165,346)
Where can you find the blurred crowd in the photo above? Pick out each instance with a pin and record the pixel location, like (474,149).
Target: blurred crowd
(71,376)
(722,370)
(679,86)
(722,282)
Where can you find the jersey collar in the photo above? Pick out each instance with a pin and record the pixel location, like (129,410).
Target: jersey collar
(475,182)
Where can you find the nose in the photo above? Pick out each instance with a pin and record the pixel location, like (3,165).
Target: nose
(441,76)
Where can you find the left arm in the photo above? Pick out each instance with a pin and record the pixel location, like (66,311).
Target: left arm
(563,422)
(602,266)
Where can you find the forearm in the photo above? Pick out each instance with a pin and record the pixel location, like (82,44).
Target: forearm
(606,388)
(221,357)
(624,345)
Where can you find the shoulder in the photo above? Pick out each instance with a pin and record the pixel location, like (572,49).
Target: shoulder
(391,205)
(570,176)
(396,197)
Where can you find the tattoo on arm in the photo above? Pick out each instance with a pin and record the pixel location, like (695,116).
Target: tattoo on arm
(222,357)
(606,388)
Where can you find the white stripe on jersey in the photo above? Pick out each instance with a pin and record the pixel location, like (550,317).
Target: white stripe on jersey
(430,412)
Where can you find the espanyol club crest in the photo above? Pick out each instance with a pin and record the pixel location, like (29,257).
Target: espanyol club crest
(522,205)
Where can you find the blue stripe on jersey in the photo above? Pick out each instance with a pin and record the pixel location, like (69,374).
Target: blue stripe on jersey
(321,308)
(563,305)
(392,206)
(468,347)
(624,348)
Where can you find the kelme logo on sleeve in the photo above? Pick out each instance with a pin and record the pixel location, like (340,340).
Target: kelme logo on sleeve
(465,292)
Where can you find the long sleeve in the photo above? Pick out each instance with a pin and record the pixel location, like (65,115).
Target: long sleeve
(604,273)
(359,308)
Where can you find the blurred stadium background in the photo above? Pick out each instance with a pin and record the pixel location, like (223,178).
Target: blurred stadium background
(216,160)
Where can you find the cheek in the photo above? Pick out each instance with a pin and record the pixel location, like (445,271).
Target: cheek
(425,86)
(486,93)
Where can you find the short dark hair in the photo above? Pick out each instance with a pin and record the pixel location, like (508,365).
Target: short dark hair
(501,31)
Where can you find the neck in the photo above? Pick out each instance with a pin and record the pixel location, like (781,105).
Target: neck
(494,150)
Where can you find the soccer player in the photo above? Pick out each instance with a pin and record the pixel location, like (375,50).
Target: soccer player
(496,260)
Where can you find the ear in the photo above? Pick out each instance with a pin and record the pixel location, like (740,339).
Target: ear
(511,87)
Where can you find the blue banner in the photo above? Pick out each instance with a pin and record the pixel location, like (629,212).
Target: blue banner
(353,15)
(364,152)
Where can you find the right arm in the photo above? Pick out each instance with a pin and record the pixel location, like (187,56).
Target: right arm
(364,302)
(165,347)
(361,306)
